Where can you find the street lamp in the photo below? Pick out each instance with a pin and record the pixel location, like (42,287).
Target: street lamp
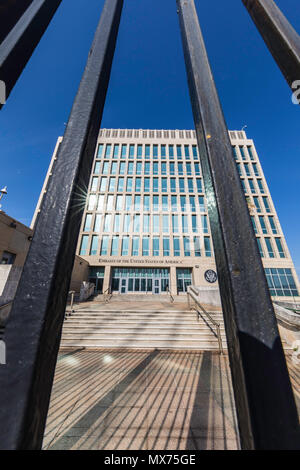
(3,191)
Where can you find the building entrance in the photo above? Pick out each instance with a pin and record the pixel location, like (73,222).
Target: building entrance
(184,279)
(96,277)
(133,280)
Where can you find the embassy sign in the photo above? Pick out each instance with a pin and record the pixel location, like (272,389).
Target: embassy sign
(210,276)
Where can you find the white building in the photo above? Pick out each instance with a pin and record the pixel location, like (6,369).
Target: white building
(145,226)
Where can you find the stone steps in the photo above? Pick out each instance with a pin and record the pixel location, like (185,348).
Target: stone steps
(97,327)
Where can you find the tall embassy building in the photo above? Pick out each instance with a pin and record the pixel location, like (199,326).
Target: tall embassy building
(145,227)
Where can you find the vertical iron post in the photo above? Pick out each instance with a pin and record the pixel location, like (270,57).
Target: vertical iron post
(18,46)
(264,399)
(34,330)
(279,35)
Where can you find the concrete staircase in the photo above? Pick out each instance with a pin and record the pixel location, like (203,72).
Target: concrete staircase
(174,329)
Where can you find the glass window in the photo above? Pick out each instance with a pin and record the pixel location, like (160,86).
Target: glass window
(155,151)
(163,151)
(108,150)
(272,224)
(176,246)
(110,202)
(190,185)
(166,246)
(147,151)
(260,248)
(137,203)
(92,202)
(114,167)
(126,223)
(130,168)
(261,186)
(155,242)
(187,151)
(135,246)
(146,224)
(171,151)
(129,185)
(147,203)
(138,185)
(174,203)
(164,185)
(201,203)
(263,224)
(166,227)
(188,169)
(116,150)
(199,185)
(180,168)
(136,223)
(97,223)
(247,169)
(207,247)
(266,204)
(239,169)
(204,222)
(155,223)
(147,168)
(131,150)
(242,150)
(104,245)
(250,153)
(124,150)
(244,186)
(94,184)
(155,203)
(119,203)
(115,246)
(235,153)
(145,246)
(100,206)
(173,185)
(254,224)
(107,223)
(105,168)
(257,205)
(128,203)
(281,282)
(192,204)
(175,223)
(88,223)
(165,203)
(94,245)
(155,168)
(125,246)
(164,168)
(279,247)
(194,224)
(183,203)
(255,169)
(103,184)
(269,247)
(185,223)
(117,223)
(181,185)
(84,244)
(179,152)
(147,185)
(100,151)
(155,185)
(197,169)
(186,246)
(140,151)
(197,246)
(195,152)
(121,185)
(252,187)
(112,184)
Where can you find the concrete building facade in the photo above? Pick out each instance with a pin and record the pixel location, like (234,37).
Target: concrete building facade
(145,227)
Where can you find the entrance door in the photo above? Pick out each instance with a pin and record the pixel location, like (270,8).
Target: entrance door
(156,284)
(123,286)
(99,286)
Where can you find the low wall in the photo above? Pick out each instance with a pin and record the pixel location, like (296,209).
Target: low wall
(209,295)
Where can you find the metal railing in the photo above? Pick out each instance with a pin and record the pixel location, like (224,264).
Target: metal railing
(192,293)
(107,295)
(170,295)
(69,313)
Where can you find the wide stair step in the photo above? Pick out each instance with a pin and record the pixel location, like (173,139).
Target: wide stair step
(97,327)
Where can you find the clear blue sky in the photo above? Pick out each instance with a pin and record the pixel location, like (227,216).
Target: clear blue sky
(148,90)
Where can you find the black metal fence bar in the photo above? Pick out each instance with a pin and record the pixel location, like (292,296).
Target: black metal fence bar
(19,44)
(265,404)
(34,330)
(10,12)
(278,34)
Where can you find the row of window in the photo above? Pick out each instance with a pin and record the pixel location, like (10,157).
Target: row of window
(146,168)
(257,204)
(263,226)
(145,246)
(137,203)
(242,152)
(146,185)
(249,186)
(147,151)
(141,223)
(281,282)
(268,247)
(248,169)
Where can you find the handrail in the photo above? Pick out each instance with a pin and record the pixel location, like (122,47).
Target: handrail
(213,321)
(107,294)
(171,296)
